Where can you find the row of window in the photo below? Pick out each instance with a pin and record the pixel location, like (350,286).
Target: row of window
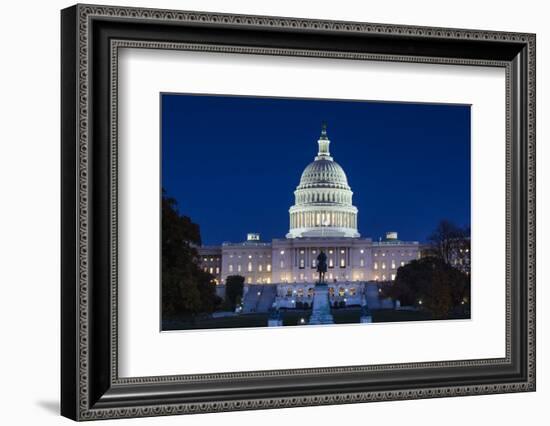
(384,278)
(259,281)
(343,263)
(383,265)
(267,267)
(330,251)
(250,256)
(393,253)
(302,263)
(282,252)
(249,267)
(362,251)
(331,277)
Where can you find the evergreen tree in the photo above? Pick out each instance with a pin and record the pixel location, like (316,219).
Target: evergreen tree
(186,289)
(234,288)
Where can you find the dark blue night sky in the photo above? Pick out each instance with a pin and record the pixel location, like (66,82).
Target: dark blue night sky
(232,163)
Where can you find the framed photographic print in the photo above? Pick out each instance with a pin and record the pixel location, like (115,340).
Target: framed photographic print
(263,212)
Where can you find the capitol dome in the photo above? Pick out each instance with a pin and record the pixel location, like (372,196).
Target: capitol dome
(323,199)
(324,173)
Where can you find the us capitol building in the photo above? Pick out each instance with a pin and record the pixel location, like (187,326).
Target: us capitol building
(323,217)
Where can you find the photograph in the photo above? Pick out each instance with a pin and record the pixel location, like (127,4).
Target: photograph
(283,212)
(273,207)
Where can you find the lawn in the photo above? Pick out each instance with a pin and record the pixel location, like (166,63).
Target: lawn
(293,317)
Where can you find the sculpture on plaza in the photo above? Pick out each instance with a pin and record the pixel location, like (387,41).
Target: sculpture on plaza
(322,266)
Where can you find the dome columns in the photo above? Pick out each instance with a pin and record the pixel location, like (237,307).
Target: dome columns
(330,196)
(323,221)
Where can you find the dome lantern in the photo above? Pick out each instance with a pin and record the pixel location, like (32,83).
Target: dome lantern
(324,143)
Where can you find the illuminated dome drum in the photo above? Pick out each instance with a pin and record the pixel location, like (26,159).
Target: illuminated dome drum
(323,199)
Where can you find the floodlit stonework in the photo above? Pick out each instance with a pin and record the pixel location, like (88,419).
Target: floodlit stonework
(323,199)
(323,217)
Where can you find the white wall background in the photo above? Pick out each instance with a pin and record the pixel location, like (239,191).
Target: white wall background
(29,215)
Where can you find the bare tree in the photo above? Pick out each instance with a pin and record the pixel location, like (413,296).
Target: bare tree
(451,244)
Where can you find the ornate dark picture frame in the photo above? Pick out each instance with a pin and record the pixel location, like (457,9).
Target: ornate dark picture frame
(91,37)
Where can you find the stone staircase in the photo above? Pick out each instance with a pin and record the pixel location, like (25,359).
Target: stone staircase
(250,299)
(262,302)
(267,297)
(321,313)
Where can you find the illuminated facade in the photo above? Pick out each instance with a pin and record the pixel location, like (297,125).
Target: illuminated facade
(322,218)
